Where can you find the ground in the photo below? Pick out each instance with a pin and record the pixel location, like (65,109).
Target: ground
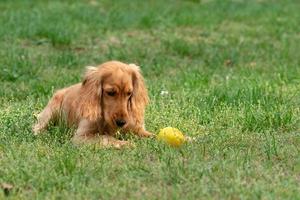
(225,72)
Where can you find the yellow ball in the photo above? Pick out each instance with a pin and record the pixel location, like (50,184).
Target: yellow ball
(171,136)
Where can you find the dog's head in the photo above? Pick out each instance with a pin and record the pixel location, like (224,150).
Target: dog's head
(115,92)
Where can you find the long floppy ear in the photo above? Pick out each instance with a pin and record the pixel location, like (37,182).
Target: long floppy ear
(139,98)
(90,94)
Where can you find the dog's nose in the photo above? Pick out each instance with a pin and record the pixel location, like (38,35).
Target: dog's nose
(120,122)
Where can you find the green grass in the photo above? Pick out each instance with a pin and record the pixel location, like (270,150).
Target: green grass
(232,72)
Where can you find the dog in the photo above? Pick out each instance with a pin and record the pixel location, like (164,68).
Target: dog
(111,99)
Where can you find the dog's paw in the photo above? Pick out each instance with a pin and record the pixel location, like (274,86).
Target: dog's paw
(145,134)
(36,129)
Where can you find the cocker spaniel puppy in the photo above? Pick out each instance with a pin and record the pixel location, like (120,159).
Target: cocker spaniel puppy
(111,98)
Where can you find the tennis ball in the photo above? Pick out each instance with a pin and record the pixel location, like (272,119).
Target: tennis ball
(171,136)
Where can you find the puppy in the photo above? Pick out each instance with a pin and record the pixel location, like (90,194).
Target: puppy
(111,98)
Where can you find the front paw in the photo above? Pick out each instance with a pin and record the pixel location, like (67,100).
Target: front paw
(146,134)
(36,129)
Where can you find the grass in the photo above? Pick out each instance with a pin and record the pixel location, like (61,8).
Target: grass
(231,69)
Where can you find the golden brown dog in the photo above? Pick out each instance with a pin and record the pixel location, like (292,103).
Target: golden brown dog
(111,98)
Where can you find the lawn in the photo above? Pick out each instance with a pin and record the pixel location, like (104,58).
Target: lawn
(224,72)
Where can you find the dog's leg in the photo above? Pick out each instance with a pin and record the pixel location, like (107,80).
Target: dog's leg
(141,131)
(144,133)
(50,111)
(87,133)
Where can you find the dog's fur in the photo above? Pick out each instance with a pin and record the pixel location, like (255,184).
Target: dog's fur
(111,98)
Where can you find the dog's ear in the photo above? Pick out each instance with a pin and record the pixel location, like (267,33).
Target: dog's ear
(90,94)
(139,98)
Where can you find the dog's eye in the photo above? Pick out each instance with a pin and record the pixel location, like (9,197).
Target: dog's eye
(129,93)
(111,93)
